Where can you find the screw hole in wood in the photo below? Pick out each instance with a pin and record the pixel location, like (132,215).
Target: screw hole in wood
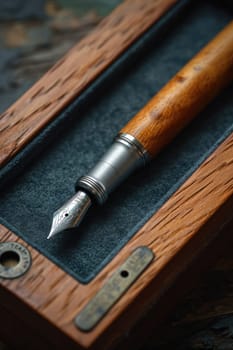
(124,273)
(9,259)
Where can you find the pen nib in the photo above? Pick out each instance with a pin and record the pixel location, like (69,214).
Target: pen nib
(70,214)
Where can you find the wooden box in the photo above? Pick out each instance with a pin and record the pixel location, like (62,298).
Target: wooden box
(184,228)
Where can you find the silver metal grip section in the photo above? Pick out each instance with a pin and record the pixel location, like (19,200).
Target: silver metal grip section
(124,156)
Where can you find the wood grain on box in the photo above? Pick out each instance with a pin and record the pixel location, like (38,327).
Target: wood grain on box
(73,73)
(181,230)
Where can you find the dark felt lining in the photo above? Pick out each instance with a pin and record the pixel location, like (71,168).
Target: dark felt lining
(28,202)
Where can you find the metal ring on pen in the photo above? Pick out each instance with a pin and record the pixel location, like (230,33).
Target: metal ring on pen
(94,187)
(129,141)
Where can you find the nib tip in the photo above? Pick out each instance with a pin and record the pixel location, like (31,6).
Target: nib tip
(49,236)
(51,233)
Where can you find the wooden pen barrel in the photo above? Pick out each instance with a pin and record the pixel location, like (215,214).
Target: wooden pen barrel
(185,95)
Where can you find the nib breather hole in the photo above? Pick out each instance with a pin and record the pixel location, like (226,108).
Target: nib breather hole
(66,214)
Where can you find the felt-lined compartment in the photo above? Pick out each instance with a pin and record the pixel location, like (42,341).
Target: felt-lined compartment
(84,131)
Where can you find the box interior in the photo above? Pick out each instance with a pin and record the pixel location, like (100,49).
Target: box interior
(42,177)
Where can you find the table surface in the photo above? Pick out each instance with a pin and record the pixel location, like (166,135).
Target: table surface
(204,320)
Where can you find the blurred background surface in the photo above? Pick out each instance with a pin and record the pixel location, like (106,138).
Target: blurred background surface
(35,34)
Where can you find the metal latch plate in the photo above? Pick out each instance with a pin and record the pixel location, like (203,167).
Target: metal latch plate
(114,288)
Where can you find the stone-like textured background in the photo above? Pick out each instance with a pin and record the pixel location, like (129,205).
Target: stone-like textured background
(33,36)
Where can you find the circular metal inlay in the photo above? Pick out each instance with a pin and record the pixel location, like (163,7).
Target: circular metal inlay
(15,260)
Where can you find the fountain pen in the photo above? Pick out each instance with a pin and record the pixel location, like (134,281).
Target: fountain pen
(164,116)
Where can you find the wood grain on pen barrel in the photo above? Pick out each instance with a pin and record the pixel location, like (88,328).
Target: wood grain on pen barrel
(185,95)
